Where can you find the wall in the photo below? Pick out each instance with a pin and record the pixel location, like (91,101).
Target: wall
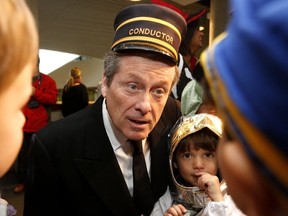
(92,70)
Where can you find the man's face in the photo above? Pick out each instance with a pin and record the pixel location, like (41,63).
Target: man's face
(137,95)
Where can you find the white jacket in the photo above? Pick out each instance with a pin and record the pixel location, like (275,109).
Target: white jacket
(224,208)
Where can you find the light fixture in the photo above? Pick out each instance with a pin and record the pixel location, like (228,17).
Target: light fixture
(51,60)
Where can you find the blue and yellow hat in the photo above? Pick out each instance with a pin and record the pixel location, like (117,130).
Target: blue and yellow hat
(149,27)
(247,70)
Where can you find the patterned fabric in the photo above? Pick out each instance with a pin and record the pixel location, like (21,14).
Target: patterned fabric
(192,98)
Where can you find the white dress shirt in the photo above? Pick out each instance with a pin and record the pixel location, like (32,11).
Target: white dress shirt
(123,150)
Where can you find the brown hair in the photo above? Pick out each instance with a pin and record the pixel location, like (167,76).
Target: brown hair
(184,48)
(204,138)
(112,63)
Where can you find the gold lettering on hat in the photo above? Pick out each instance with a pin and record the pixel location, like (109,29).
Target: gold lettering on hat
(152,33)
(151,19)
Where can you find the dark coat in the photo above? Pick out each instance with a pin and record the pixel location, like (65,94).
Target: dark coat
(73,169)
(74,99)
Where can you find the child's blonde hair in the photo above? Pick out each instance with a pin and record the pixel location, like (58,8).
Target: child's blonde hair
(18,40)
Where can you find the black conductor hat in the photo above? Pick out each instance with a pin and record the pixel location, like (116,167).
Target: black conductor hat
(149,27)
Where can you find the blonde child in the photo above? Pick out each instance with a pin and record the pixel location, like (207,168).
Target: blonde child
(18,59)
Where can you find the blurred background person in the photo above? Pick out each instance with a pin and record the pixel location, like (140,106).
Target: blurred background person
(37,114)
(75,94)
(18,58)
(191,43)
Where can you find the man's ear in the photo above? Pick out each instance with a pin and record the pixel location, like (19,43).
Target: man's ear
(104,86)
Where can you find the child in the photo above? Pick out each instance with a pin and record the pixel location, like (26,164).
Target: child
(18,54)
(252,101)
(196,188)
(18,60)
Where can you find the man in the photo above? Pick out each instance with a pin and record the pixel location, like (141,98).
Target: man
(248,72)
(193,40)
(82,165)
(191,43)
(36,112)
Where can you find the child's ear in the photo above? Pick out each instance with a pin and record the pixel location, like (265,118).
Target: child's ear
(175,165)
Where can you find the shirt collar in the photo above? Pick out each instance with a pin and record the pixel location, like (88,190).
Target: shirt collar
(117,139)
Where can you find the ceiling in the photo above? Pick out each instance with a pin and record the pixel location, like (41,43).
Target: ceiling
(85,27)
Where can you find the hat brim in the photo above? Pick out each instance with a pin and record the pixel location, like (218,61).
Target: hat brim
(145,47)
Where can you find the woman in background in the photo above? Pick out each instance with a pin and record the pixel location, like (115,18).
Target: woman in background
(75,96)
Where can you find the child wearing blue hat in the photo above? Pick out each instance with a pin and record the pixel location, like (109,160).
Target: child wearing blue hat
(247,70)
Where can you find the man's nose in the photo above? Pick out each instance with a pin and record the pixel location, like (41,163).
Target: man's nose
(144,104)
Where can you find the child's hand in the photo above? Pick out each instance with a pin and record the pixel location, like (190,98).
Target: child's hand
(176,210)
(211,185)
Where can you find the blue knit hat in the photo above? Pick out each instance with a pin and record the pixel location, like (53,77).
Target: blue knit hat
(247,69)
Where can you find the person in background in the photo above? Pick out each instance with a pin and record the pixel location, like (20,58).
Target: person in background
(191,43)
(86,164)
(197,187)
(247,71)
(18,57)
(37,115)
(75,95)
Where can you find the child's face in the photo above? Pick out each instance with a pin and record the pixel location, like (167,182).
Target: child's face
(12,101)
(193,161)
